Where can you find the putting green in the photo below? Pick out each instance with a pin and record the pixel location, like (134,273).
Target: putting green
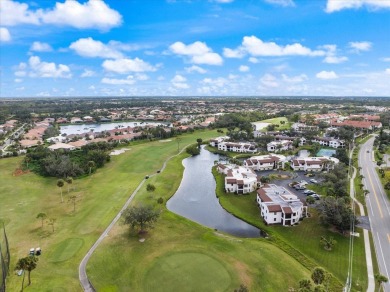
(65,250)
(187,272)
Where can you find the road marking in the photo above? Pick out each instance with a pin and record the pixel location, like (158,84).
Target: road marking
(372,211)
(383,257)
(388,237)
(376,197)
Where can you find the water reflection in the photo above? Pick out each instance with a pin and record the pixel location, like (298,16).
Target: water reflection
(196,200)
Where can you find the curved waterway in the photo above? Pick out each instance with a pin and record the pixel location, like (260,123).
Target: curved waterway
(196,200)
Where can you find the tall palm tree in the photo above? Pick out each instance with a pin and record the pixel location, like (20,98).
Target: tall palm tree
(28,264)
(60,184)
(91,164)
(69,181)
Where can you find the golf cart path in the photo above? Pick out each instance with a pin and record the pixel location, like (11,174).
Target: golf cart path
(83,277)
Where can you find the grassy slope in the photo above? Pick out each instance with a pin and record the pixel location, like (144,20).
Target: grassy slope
(249,261)
(305,238)
(276,121)
(100,198)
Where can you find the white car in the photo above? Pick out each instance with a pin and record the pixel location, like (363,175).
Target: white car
(315,196)
(314,181)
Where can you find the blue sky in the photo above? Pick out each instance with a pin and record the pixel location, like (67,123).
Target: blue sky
(195,48)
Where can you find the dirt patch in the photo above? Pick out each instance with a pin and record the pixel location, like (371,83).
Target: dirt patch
(242,272)
(19,172)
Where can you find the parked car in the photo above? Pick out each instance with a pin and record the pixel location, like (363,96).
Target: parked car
(299,187)
(314,181)
(308,192)
(303,182)
(315,196)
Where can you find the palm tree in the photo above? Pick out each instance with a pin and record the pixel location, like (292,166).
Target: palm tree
(42,216)
(73,200)
(91,164)
(69,180)
(60,184)
(380,279)
(51,222)
(28,263)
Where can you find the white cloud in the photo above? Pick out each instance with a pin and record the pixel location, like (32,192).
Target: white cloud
(37,68)
(91,14)
(128,81)
(387,71)
(284,3)
(198,52)
(18,80)
(87,73)
(195,68)
(14,13)
(337,5)
(179,82)
(223,1)
(294,79)
(335,59)
(360,46)
(216,82)
(5,36)
(141,77)
(253,60)
(127,65)
(331,55)
(385,59)
(88,47)
(256,47)
(243,68)
(229,53)
(269,80)
(40,47)
(326,75)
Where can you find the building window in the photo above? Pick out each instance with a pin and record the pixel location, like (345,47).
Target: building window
(274,219)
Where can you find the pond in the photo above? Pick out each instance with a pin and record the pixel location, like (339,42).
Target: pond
(85,128)
(196,200)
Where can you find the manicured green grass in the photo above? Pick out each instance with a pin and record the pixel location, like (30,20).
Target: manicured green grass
(303,241)
(276,121)
(100,197)
(187,271)
(123,263)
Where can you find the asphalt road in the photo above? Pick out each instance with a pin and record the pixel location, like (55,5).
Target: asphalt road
(378,206)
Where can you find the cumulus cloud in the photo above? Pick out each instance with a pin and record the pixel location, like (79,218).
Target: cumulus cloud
(38,68)
(326,75)
(284,3)
(294,79)
(243,68)
(5,36)
(87,73)
(337,5)
(40,47)
(253,60)
(229,53)
(196,69)
(223,1)
(91,14)
(269,80)
(88,47)
(113,81)
(257,47)
(127,65)
(179,82)
(360,46)
(387,71)
(198,52)
(331,55)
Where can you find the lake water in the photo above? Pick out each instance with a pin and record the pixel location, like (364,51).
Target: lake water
(196,200)
(85,128)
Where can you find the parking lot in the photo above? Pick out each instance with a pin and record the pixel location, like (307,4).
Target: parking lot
(296,176)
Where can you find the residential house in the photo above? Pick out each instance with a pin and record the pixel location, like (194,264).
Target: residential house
(238,179)
(300,127)
(314,164)
(214,142)
(282,145)
(265,162)
(361,125)
(330,142)
(60,145)
(237,147)
(279,206)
